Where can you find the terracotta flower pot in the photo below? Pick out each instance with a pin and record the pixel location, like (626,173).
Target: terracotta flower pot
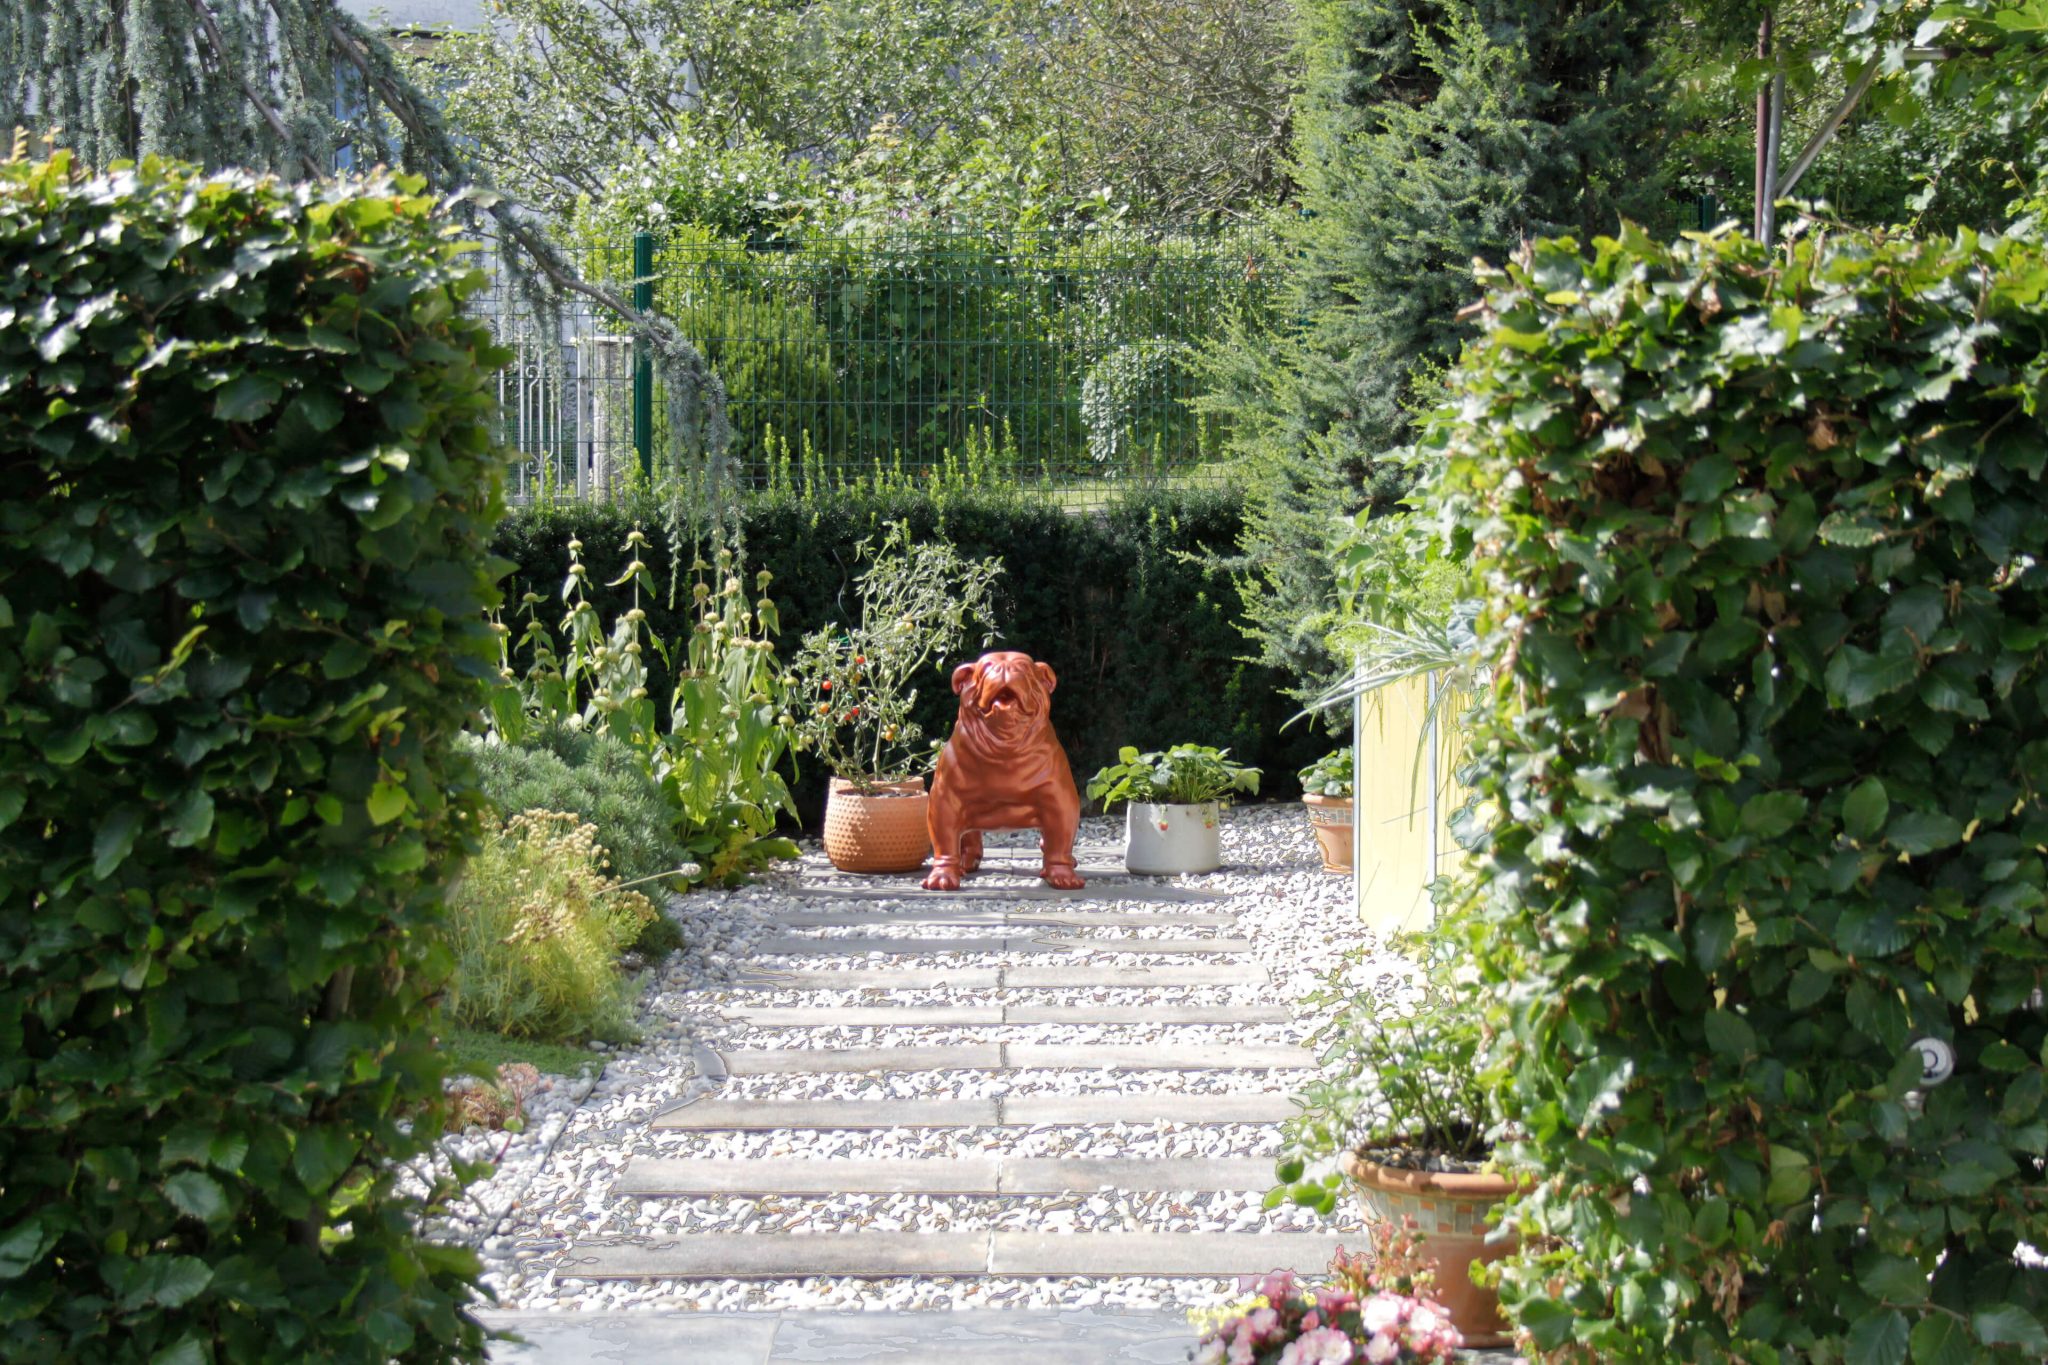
(881,832)
(1453,1212)
(1330,818)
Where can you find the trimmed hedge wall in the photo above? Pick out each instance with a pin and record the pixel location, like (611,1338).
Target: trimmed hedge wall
(243,572)
(1760,539)
(1142,632)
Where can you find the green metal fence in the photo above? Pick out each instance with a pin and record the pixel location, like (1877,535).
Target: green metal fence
(1058,359)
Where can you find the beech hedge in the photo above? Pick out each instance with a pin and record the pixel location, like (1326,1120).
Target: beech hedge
(250,488)
(1761,544)
(1130,603)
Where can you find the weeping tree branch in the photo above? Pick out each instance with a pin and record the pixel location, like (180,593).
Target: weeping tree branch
(211,28)
(252,83)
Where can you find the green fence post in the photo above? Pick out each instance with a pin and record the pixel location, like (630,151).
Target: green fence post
(643,363)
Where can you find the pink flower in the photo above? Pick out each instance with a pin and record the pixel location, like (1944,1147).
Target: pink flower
(1323,1346)
(1423,1319)
(1382,1349)
(1381,1311)
(1241,1352)
(1334,1303)
(1211,1353)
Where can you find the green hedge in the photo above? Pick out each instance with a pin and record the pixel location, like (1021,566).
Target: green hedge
(1143,633)
(1761,540)
(243,572)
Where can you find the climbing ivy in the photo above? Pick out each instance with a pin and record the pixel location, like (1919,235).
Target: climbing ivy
(243,572)
(1760,542)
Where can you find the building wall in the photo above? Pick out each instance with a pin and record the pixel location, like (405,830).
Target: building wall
(1403,797)
(416,14)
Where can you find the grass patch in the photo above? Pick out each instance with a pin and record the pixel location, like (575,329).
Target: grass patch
(473,1052)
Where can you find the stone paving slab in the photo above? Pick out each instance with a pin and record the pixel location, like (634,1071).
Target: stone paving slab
(1059,977)
(1079,1110)
(1068,1336)
(872,978)
(1017,1057)
(866,1016)
(773,1255)
(967,917)
(741,1256)
(973,1175)
(820,1061)
(809,1176)
(1021,1111)
(1165,1013)
(709,1115)
(1076,976)
(791,945)
(1153,1057)
(1201,1254)
(1087,1175)
(973,1016)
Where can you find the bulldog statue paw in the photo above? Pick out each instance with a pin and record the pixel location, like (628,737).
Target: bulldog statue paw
(1003,769)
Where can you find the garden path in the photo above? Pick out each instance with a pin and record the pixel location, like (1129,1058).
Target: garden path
(1003,1098)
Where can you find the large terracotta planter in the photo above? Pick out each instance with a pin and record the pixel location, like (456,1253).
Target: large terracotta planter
(882,832)
(1454,1212)
(1330,818)
(1162,840)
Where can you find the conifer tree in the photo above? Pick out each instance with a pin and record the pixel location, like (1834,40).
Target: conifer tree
(1427,133)
(294,87)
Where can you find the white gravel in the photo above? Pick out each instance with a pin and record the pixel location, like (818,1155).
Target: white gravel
(554,1185)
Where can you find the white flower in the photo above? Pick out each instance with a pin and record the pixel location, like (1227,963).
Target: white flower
(1379,1313)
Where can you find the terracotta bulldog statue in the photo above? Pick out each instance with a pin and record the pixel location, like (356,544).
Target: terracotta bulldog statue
(1003,769)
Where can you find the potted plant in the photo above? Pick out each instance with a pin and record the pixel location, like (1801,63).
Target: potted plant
(1326,791)
(1175,802)
(1400,1107)
(853,695)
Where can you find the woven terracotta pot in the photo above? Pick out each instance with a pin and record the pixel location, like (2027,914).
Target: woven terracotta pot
(884,832)
(1453,1212)
(1330,818)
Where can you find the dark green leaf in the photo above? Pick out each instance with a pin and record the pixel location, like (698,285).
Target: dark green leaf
(1877,1338)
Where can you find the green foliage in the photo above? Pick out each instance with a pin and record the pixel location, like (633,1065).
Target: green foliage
(715,758)
(480,1053)
(1184,775)
(1398,1070)
(595,777)
(243,574)
(1758,543)
(853,687)
(1330,775)
(1426,134)
(1124,603)
(538,924)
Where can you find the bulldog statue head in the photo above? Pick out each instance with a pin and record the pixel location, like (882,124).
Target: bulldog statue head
(1003,768)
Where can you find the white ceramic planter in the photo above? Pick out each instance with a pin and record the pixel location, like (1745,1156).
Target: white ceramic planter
(1162,840)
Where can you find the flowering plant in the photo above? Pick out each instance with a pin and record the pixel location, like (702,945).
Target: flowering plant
(852,686)
(1287,1323)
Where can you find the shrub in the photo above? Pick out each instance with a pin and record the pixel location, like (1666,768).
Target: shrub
(1759,540)
(596,778)
(538,925)
(243,575)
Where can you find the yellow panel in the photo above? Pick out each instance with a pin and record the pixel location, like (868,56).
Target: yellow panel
(1401,800)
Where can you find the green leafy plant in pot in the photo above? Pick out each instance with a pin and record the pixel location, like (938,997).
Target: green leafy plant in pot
(853,693)
(1400,1116)
(1326,792)
(1174,802)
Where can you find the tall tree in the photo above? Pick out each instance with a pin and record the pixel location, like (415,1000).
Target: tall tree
(1180,106)
(290,86)
(558,94)
(1427,133)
